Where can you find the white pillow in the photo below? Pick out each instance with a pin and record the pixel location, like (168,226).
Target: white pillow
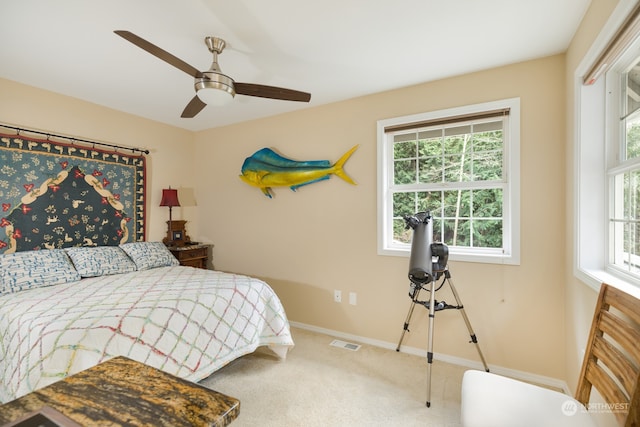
(147,255)
(33,269)
(100,260)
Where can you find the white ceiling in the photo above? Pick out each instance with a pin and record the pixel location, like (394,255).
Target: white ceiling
(334,49)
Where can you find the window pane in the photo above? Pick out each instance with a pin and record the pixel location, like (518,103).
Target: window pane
(404,172)
(634,259)
(633,215)
(457,232)
(618,225)
(633,202)
(633,137)
(487,203)
(487,233)
(631,89)
(430,170)
(487,166)
(405,150)
(410,203)
(487,141)
(430,147)
(457,203)
(487,149)
(626,221)
(429,201)
(400,232)
(457,168)
(404,204)
(437,229)
(631,111)
(618,231)
(457,144)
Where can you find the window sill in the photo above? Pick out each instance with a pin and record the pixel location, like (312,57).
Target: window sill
(594,278)
(458,257)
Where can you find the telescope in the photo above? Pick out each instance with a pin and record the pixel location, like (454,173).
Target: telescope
(428,260)
(427,263)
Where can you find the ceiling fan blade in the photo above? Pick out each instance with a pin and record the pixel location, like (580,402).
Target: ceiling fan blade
(159,53)
(193,107)
(271,92)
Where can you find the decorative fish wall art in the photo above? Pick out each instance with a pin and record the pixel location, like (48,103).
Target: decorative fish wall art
(266,169)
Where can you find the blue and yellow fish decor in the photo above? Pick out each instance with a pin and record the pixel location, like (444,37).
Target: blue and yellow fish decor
(266,169)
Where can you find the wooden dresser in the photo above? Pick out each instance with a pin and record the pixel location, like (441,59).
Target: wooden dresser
(192,255)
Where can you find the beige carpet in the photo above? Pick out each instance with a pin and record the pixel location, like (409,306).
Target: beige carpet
(321,385)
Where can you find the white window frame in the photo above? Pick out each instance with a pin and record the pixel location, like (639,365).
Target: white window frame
(596,138)
(615,147)
(510,253)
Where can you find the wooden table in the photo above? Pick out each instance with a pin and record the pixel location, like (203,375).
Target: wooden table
(125,392)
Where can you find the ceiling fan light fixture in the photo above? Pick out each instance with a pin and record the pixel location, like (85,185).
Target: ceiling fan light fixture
(212,86)
(215,89)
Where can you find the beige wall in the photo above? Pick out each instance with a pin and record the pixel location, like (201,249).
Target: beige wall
(579,298)
(171,148)
(323,237)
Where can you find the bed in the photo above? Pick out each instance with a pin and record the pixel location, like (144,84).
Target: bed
(66,310)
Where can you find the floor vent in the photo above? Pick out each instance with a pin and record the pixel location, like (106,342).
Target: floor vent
(346,345)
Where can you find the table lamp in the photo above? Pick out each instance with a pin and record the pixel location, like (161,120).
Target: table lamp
(170,198)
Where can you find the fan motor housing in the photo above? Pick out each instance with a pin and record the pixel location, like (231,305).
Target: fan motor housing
(213,80)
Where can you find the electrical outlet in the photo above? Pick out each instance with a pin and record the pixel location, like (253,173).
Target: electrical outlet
(337,296)
(352,298)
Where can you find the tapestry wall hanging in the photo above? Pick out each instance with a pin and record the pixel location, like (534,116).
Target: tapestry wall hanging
(56,195)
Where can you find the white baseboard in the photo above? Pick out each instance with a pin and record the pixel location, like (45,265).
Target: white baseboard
(472,364)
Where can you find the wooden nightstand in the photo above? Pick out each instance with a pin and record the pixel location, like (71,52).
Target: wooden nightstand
(192,255)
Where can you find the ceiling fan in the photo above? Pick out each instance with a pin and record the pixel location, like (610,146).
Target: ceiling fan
(212,86)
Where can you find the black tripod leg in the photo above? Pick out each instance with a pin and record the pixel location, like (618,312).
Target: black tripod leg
(432,315)
(408,319)
(474,340)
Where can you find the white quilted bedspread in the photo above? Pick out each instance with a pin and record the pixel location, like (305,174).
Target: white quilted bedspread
(185,321)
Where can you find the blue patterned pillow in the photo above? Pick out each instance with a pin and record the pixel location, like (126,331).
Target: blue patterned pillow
(100,260)
(147,255)
(33,269)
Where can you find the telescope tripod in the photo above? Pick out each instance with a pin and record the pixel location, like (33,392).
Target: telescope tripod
(432,305)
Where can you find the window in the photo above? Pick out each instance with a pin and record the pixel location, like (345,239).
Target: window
(607,154)
(623,172)
(462,165)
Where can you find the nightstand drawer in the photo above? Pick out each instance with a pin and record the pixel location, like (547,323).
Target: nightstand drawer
(185,254)
(194,262)
(193,257)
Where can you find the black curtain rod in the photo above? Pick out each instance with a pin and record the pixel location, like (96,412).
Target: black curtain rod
(72,139)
